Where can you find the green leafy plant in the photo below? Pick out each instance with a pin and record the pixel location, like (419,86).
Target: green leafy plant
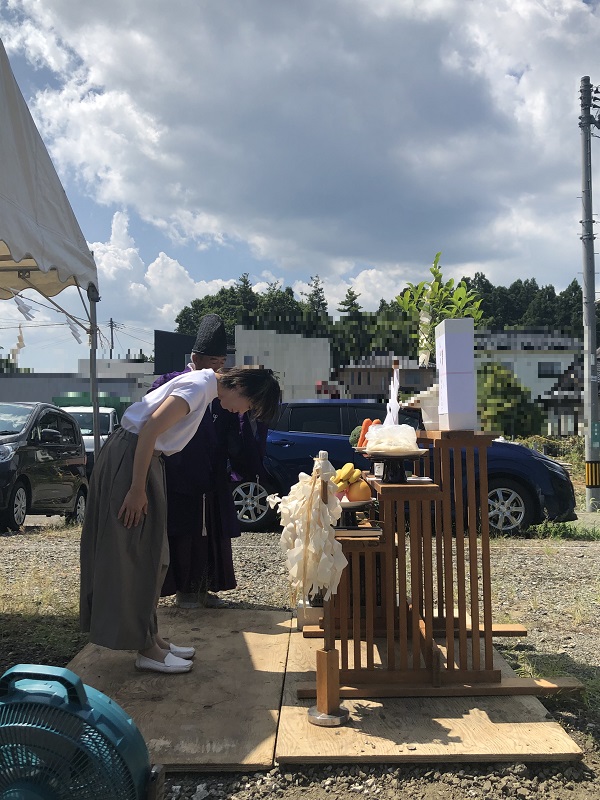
(430,302)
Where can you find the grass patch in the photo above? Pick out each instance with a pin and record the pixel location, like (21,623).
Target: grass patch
(556,531)
(591,693)
(39,598)
(39,639)
(541,665)
(563,530)
(567,449)
(530,664)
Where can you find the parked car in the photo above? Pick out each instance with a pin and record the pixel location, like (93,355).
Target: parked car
(108,423)
(42,464)
(525,486)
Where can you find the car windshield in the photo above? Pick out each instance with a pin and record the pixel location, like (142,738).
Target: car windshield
(13,417)
(86,424)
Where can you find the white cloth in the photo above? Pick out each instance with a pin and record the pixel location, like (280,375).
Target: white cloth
(37,219)
(197,388)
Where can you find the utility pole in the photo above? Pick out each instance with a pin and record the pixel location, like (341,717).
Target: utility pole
(94,299)
(111,325)
(590,369)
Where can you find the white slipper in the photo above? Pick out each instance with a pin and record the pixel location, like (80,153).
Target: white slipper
(171,664)
(182,652)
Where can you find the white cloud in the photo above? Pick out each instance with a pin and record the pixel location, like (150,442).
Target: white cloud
(119,256)
(145,295)
(351,139)
(165,271)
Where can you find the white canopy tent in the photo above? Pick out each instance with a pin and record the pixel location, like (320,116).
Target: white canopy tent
(41,244)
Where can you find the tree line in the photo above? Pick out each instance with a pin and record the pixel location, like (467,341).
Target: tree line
(402,324)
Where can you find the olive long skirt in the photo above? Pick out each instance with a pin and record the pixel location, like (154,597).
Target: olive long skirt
(122,569)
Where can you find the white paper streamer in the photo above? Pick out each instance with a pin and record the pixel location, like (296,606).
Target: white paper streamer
(314,557)
(393,405)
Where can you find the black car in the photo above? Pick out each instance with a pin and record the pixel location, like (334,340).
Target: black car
(525,486)
(42,464)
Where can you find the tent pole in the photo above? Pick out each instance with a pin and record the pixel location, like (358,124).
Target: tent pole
(94,298)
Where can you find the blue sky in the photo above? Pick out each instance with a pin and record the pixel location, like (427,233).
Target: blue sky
(351,139)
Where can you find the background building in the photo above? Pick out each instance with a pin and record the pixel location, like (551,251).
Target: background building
(300,363)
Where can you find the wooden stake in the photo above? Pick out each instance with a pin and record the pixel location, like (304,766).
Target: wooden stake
(328,659)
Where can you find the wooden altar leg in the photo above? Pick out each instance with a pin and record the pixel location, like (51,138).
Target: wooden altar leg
(328,712)
(328,667)
(328,681)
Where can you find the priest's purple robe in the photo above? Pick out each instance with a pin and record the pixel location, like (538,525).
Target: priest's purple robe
(201,516)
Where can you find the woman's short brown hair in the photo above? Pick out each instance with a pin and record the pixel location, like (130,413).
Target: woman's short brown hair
(258,385)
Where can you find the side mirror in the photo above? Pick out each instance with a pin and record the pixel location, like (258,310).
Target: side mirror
(50,436)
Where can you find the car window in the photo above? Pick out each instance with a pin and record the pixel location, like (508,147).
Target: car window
(315,418)
(359,413)
(409,419)
(67,431)
(49,421)
(13,417)
(85,420)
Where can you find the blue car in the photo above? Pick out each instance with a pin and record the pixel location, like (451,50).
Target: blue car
(525,486)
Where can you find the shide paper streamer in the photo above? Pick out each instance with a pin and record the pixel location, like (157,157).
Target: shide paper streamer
(314,558)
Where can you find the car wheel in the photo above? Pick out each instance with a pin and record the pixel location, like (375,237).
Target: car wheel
(510,506)
(251,506)
(76,516)
(17,507)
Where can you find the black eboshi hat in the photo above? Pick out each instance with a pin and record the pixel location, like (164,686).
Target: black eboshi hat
(211,339)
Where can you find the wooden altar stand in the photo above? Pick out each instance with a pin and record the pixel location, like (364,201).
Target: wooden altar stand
(413,612)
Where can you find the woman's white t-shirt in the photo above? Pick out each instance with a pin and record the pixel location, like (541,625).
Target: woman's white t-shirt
(198,388)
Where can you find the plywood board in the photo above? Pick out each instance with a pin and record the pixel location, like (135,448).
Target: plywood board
(223,714)
(421,729)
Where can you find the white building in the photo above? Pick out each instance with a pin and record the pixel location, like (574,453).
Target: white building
(130,369)
(541,360)
(300,363)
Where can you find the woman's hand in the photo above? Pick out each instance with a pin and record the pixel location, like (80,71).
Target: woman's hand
(136,502)
(134,506)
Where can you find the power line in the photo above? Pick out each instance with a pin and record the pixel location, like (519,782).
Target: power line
(32,325)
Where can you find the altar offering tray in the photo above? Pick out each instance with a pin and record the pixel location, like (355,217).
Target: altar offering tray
(415,452)
(355,503)
(349,520)
(389,467)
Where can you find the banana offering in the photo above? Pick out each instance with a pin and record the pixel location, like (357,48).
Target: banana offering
(350,483)
(345,476)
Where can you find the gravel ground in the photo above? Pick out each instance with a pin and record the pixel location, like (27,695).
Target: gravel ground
(551,587)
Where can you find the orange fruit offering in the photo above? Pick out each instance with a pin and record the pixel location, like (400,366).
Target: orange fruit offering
(359,490)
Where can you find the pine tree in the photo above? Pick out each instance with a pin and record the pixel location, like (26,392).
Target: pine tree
(521,294)
(350,305)
(235,304)
(570,309)
(315,299)
(543,310)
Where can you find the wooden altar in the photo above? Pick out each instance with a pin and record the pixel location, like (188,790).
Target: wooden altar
(413,612)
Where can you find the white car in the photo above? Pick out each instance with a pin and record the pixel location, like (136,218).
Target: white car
(109,422)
